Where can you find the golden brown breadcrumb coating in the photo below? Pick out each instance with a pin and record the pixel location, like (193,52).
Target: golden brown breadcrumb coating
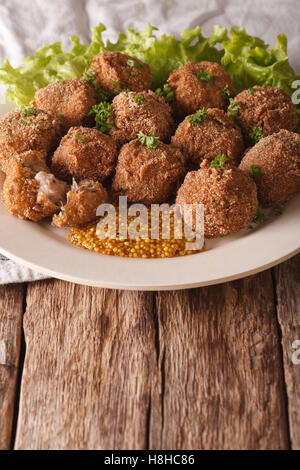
(113,72)
(148,175)
(23,197)
(217,134)
(82,202)
(70,99)
(270,108)
(229,197)
(18,133)
(192,93)
(85,154)
(278,159)
(143,111)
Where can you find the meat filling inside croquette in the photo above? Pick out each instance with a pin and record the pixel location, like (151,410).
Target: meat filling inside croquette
(197,85)
(71,100)
(144,111)
(83,201)
(85,154)
(115,72)
(206,134)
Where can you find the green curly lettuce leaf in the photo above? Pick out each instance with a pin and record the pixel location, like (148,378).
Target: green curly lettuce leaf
(249,62)
(248,59)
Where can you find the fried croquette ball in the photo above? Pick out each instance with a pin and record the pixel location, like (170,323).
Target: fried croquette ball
(265,107)
(71,100)
(83,201)
(31,195)
(148,175)
(229,197)
(205,137)
(275,164)
(85,154)
(28,129)
(199,85)
(114,72)
(144,111)
(33,159)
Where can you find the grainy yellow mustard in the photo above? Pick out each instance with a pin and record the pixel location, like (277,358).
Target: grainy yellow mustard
(86,237)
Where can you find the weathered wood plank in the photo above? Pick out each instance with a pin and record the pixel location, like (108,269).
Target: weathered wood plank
(11,312)
(222,380)
(287,280)
(88,369)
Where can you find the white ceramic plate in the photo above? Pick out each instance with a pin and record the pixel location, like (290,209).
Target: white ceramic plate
(45,249)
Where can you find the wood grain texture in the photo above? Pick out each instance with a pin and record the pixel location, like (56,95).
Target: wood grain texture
(88,369)
(287,281)
(11,312)
(222,384)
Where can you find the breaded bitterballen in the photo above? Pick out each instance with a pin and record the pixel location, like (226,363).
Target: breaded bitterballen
(275,162)
(33,129)
(266,107)
(216,134)
(229,197)
(141,111)
(148,175)
(115,72)
(32,195)
(70,99)
(82,202)
(199,85)
(85,154)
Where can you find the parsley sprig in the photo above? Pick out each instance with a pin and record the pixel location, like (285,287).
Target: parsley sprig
(255,136)
(261,217)
(90,76)
(79,138)
(219,162)
(150,141)
(103,116)
(197,118)
(29,111)
(138,99)
(255,172)
(233,108)
(166,92)
(206,76)
(134,63)
(226,93)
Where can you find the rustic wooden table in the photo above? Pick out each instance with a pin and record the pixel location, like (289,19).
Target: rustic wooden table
(208,368)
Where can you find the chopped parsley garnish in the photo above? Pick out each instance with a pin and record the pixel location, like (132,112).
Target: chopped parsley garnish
(198,117)
(125,90)
(133,74)
(252,90)
(166,92)
(261,217)
(101,95)
(103,116)
(138,99)
(226,93)
(206,76)
(79,138)
(29,112)
(256,171)
(233,108)
(116,84)
(90,76)
(219,162)
(134,63)
(150,141)
(26,123)
(255,136)
(280,209)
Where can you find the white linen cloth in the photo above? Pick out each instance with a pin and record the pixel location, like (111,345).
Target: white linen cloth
(26,25)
